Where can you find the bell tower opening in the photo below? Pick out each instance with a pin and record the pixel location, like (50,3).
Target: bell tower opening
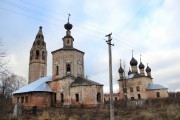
(37,54)
(43,55)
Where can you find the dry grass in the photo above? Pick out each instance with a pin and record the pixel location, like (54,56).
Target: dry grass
(161,109)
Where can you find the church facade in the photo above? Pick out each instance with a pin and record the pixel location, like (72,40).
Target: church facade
(67,85)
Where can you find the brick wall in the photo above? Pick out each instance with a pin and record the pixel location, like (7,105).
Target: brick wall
(39,99)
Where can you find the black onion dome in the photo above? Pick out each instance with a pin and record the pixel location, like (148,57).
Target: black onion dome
(148,69)
(121,70)
(68,26)
(133,62)
(141,66)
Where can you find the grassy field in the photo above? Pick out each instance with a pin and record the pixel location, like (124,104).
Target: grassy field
(160,109)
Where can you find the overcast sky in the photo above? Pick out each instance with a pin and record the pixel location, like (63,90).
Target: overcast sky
(149,27)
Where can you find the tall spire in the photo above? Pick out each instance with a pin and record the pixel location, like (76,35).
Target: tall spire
(38,58)
(40,34)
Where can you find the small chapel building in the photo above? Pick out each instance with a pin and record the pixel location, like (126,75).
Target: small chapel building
(66,86)
(138,85)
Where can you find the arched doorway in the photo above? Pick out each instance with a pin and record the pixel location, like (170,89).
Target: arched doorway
(98,97)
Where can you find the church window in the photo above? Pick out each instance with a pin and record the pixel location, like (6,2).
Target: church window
(57,70)
(43,55)
(67,42)
(99,97)
(157,94)
(26,99)
(37,54)
(68,68)
(17,99)
(115,98)
(131,89)
(22,99)
(138,88)
(77,97)
(62,97)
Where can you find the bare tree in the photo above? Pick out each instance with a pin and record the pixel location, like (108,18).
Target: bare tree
(17,82)
(10,83)
(3,60)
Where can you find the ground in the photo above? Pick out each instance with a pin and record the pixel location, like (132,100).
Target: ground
(160,109)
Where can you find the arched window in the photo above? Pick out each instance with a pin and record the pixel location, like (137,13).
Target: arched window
(26,99)
(67,42)
(99,97)
(62,97)
(22,99)
(138,88)
(115,98)
(37,54)
(57,70)
(77,97)
(43,55)
(68,68)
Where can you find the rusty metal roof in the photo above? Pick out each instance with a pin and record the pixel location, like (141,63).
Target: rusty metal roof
(81,81)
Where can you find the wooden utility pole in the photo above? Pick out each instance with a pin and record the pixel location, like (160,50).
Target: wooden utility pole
(110,77)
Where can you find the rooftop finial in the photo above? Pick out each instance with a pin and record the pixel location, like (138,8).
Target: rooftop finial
(69,17)
(132,53)
(68,26)
(140,57)
(120,62)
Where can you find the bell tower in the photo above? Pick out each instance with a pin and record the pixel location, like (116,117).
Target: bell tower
(38,58)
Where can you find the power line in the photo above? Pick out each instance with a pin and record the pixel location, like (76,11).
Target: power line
(86,31)
(140,10)
(28,16)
